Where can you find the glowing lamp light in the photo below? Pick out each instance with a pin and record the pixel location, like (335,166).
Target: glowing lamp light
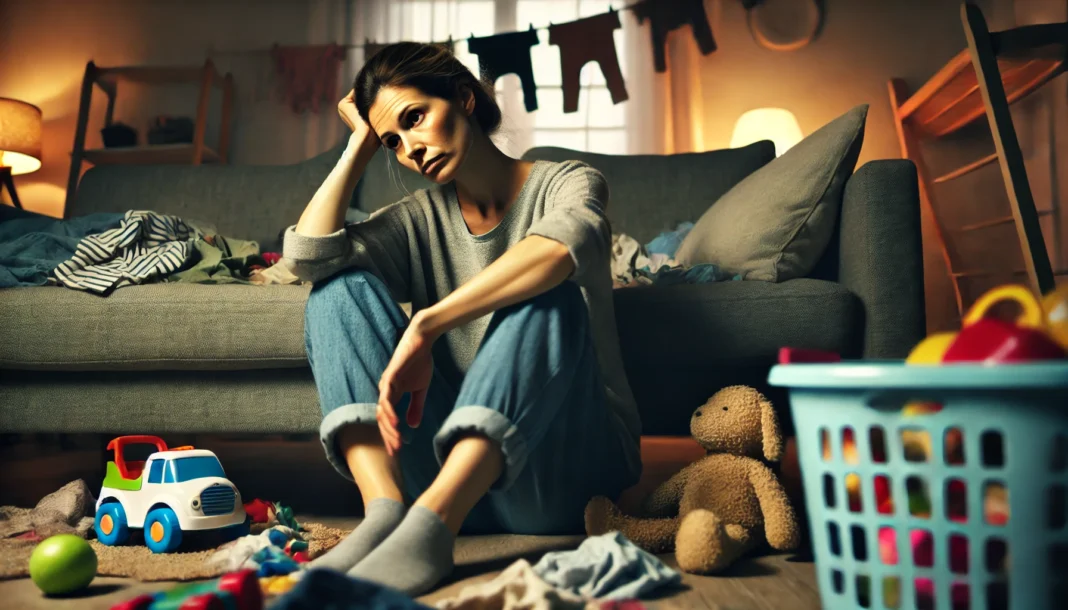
(775,124)
(20,136)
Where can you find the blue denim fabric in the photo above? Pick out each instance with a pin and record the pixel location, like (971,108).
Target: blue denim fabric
(534,387)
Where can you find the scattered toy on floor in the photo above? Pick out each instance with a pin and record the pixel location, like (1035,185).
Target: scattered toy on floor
(259,511)
(170,492)
(325,588)
(237,590)
(63,564)
(725,504)
(249,551)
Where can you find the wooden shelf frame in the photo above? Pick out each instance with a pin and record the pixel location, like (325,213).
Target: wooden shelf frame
(195,153)
(994,71)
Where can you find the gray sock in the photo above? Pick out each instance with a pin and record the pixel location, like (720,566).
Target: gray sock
(383,516)
(415,557)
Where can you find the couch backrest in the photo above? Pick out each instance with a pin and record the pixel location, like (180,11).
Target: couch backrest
(244,201)
(649,193)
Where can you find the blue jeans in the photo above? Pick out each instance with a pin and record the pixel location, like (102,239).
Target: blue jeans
(534,388)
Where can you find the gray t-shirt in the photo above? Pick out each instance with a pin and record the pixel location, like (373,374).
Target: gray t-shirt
(422,249)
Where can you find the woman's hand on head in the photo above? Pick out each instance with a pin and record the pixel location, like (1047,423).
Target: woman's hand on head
(361,131)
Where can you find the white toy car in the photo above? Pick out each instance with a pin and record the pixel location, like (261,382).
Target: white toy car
(172,491)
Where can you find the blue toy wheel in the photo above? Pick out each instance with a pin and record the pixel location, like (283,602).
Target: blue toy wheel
(110,524)
(162,532)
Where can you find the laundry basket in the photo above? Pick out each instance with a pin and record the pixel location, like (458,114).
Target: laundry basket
(934,486)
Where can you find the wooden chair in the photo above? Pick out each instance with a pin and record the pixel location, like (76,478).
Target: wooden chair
(997,69)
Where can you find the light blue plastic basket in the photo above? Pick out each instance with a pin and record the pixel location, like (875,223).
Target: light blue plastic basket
(1014,424)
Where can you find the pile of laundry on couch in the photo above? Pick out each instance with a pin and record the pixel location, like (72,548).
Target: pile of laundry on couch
(99,253)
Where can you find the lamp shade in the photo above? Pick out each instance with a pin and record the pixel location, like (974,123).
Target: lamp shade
(775,124)
(20,136)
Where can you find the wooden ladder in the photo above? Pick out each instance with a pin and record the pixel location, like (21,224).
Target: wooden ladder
(997,69)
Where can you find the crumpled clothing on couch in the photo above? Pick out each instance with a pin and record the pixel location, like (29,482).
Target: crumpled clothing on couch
(633,265)
(32,245)
(148,246)
(68,510)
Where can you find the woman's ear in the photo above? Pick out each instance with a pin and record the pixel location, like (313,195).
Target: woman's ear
(467,99)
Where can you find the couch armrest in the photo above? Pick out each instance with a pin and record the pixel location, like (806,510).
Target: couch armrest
(881,255)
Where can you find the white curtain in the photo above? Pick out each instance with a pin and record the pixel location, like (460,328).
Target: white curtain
(666,111)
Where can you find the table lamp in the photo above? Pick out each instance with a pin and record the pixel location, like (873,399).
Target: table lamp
(775,124)
(20,142)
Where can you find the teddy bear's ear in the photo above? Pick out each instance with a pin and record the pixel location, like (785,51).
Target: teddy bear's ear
(769,425)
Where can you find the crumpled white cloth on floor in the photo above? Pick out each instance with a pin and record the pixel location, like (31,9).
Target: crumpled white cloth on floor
(607,567)
(516,588)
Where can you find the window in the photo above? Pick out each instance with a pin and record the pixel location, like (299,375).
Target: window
(155,471)
(168,473)
(435,21)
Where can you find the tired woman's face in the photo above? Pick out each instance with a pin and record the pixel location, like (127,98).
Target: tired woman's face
(430,135)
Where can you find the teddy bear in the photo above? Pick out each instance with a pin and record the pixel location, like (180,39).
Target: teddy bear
(725,504)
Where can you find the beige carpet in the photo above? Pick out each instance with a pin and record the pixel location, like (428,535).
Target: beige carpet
(137,562)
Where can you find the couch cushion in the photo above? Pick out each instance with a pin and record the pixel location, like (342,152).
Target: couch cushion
(649,194)
(683,343)
(154,327)
(775,224)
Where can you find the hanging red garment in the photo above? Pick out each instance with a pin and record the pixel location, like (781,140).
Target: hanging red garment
(309,74)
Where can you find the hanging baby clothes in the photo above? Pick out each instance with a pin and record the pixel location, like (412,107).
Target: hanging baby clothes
(309,74)
(667,16)
(508,54)
(583,41)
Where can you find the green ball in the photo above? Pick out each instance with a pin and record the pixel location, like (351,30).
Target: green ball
(62,564)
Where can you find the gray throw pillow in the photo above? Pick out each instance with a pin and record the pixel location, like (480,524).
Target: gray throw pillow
(775,224)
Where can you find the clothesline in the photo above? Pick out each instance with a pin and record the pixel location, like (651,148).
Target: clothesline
(372,44)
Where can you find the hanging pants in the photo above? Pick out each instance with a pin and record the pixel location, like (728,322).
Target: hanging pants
(581,42)
(508,54)
(667,16)
(534,388)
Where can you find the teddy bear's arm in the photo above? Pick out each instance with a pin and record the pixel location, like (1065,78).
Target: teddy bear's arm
(665,499)
(780,522)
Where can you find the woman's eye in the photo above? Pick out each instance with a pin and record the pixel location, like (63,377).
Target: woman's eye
(392,142)
(414,117)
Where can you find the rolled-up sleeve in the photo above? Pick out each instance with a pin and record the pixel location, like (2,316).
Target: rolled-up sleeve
(575,216)
(379,244)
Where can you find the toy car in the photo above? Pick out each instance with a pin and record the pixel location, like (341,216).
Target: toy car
(234,591)
(172,491)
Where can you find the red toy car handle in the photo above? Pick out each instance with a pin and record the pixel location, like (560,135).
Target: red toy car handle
(120,443)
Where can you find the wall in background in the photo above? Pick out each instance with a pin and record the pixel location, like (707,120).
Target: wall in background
(45,44)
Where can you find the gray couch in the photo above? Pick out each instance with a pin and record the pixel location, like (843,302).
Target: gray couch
(170,358)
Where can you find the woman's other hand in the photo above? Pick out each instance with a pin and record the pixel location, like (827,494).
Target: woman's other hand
(409,371)
(361,131)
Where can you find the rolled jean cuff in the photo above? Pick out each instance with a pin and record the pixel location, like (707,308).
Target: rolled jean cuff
(493,425)
(334,421)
